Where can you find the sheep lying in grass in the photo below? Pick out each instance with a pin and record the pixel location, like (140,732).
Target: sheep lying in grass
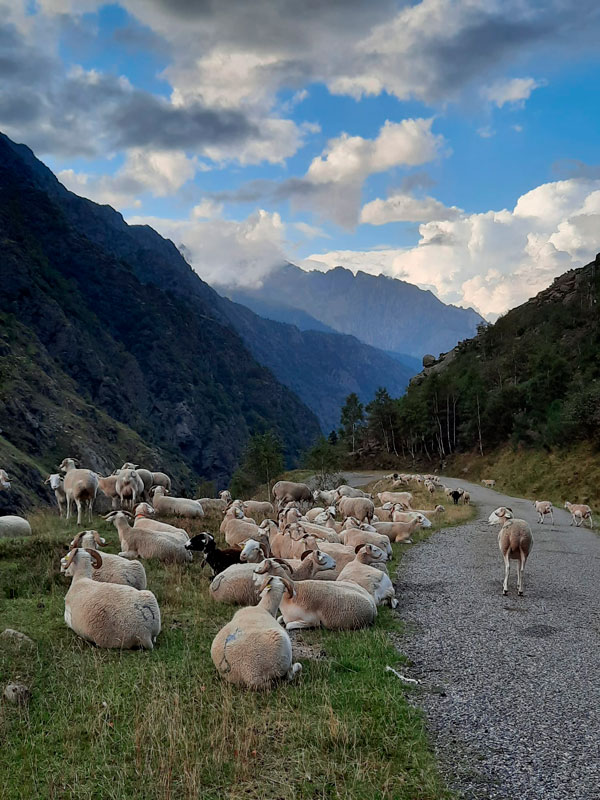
(402,531)
(252,649)
(114,569)
(362,572)
(334,605)
(544,508)
(357,536)
(144,520)
(579,512)
(14,526)
(257,508)
(515,541)
(405,499)
(177,506)
(107,614)
(57,485)
(140,543)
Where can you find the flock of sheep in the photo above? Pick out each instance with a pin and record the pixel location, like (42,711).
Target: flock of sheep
(318,558)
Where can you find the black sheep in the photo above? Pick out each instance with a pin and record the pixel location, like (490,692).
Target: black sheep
(218,560)
(455,496)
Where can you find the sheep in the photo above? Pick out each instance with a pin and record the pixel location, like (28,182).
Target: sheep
(335,605)
(258,508)
(4,480)
(238,531)
(253,650)
(356,536)
(144,474)
(178,506)
(500,515)
(350,491)
(108,487)
(455,495)
(217,560)
(81,487)
(376,582)
(140,543)
(313,513)
(143,519)
(401,531)
(129,487)
(544,507)
(253,552)
(404,498)
(408,516)
(326,497)
(286,491)
(56,484)
(579,512)
(515,541)
(289,542)
(161,479)
(107,614)
(114,569)
(466,498)
(234,512)
(292,515)
(489,483)
(14,526)
(212,504)
(359,507)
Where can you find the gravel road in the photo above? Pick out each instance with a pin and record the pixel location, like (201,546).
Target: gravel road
(510,685)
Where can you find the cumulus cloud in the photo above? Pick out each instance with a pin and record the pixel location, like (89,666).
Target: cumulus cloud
(514,91)
(223,251)
(406,208)
(497,259)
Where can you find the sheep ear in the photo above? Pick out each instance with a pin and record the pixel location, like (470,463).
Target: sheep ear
(358,547)
(305,554)
(96,558)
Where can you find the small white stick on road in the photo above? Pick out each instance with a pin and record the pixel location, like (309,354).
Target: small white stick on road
(402,677)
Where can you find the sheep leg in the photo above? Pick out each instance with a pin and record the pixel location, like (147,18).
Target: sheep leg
(591,521)
(506,573)
(78,504)
(68,515)
(520,569)
(298,624)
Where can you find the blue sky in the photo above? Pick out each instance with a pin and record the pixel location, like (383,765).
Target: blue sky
(453,144)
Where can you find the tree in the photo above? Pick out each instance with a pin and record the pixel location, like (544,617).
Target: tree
(324,458)
(351,417)
(262,460)
(332,438)
(384,419)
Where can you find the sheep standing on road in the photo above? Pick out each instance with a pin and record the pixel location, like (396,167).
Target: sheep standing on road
(544,508)
(579,512)
(515,541)
(81,487)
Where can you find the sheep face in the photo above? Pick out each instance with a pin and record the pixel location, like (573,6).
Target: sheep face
(324,560)
(425,523)
(202,543)
(144,510)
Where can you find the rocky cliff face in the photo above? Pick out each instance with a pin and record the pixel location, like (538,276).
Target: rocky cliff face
(134,363)
(384,312)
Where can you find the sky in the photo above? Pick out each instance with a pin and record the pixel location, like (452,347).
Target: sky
(450,143)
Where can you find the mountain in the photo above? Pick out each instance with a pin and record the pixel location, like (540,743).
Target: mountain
(532,379)
(102,365)
(321,367)
(384,312)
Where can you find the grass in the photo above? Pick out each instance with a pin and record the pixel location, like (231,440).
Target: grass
(161,724)
(559,475)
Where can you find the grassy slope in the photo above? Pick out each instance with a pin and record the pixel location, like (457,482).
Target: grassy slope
(561,475)
(100,720)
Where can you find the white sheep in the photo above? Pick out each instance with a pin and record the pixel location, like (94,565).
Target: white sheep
(544,508)
(14,526)
(81,487)
(107,614)
(140,543)
(4,480)
(130,488)
(334,605)
(114,569)
(359,507)
(375,581)
(328,497)
(144,519)
(161,479)
(579,512)
(500,515)
(350,491)
(353,537)
(287,491)
(403,498)
(253,650)
(56,482)
(515,541)
(108,487)
(489,483)
(402,531)
(178,506)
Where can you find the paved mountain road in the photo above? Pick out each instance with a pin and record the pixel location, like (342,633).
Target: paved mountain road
(510,685)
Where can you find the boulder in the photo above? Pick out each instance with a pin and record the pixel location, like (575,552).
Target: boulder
(16,638)
(17,693)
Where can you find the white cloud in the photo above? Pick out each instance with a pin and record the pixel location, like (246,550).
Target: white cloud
(207,209)
(406,208)
(514,91)
(351,158)
(226,252)
(158,172)
(497,259)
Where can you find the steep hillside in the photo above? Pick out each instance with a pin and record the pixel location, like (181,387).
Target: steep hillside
(166,366)
(321,367)
(530,380)
(384,312)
